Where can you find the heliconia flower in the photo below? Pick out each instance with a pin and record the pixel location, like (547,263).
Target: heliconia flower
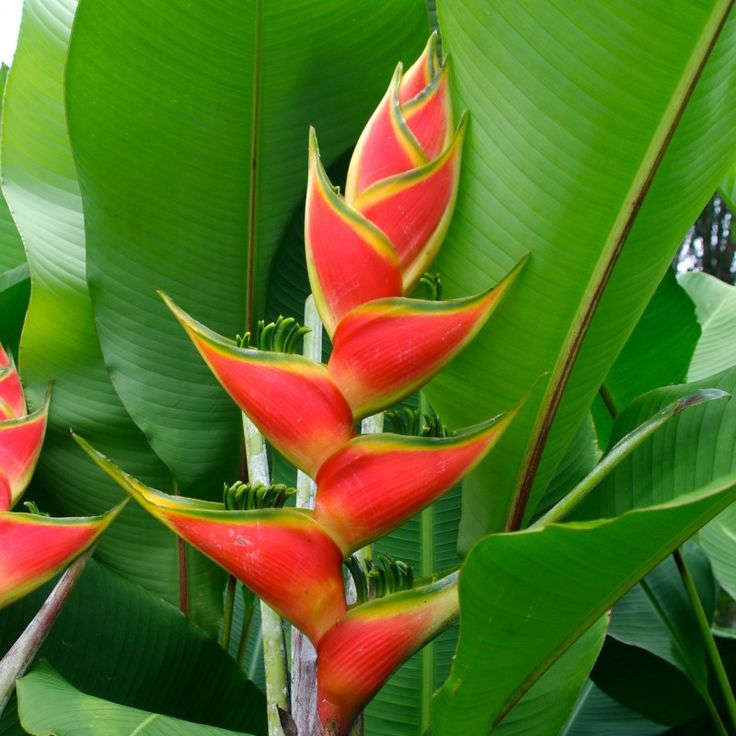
(359,653)
(292,400)
(410,126)
(12,400)
(21,439)
(282,555)
(402,181)
(366,266)
(386,349)
(375,482)
(405,208)
(33,548)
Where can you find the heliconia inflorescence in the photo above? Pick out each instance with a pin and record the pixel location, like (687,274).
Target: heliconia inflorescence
(399,196)
(365,253)
(33,547)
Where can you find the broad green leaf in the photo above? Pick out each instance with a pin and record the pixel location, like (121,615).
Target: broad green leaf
(727,188)
(597,713)
(545,707)
(115,640)
(15,291)
(648,685)
(569,126)
(719,541)
(49,705)
(580,459)
(205,108)
(716,306)
(657,616)
(9,725)
(527,596)
(12,253)
(14,284)
(699,446)
(60,340)
(659,350)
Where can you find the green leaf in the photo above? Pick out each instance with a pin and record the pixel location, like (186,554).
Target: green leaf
(115,640)
(527,596)
(716,307)
(15,291)
(12,253)
(205,108)
(727,188)
(569,125)
(719,541)
(580,459)
(597,713)
(624,448)
(545,707)
(648,685)
(657,616)
(49,705)
(660,348)
(60,340)
(699,446)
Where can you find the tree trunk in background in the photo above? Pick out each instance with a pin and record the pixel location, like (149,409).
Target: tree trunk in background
(710,245)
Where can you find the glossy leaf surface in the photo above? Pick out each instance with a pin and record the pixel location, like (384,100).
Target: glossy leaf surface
(518,587)
(113,639)
(716,307)
(660,348)
(202,164)
(66,710)
(60,339)
(544,708)
(526,184)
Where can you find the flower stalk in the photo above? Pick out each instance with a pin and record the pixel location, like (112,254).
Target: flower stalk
(272,632)
(21,655)
(303,653)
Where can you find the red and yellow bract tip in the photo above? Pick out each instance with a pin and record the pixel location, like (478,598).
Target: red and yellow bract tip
(349,259)
(34,548)
(409,127)
(20,446)
(292,400)
(374,483)
(12,400)
(282,555)
(357,656)
(399,196)
(414,208)
(388,348)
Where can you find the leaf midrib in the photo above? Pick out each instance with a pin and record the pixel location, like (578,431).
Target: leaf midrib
(254,165)
(609,256)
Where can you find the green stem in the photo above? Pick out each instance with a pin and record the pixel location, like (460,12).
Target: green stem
(303,653)
(274,651)
(250,610)
(710,643)
(427,569)
(621,450)
(20,656)
(227,620)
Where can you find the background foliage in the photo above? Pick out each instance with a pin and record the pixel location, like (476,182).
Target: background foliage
(162,145)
